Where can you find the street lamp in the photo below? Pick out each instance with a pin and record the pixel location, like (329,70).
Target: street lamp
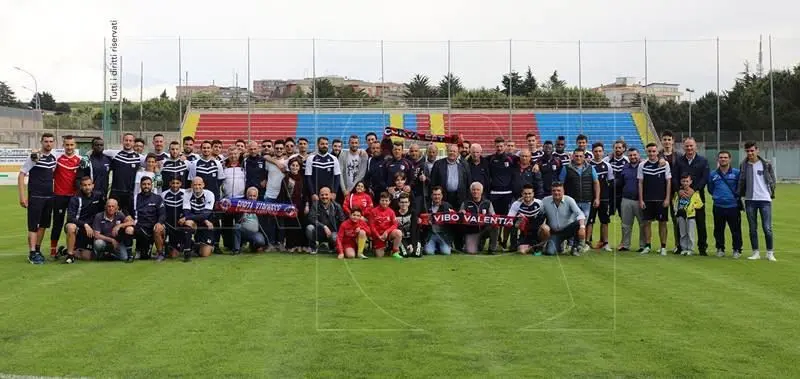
(690,91)
(35,86)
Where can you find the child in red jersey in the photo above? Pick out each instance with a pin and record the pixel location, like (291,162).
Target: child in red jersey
(383,223)
(352,236)
(359,198)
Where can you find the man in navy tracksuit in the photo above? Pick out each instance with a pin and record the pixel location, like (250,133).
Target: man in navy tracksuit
(503,173)
(722,184)
(697,167)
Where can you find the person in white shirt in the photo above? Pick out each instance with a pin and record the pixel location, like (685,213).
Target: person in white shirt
(150,171)
(757,187)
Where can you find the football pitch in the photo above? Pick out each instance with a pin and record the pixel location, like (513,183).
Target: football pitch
(281,315)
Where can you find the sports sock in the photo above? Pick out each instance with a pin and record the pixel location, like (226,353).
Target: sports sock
(663,246)
(361,242)
(38,248)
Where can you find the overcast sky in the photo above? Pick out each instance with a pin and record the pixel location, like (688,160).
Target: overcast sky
(61,42)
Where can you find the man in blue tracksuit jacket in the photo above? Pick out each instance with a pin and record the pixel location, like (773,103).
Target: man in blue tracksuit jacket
(722,184)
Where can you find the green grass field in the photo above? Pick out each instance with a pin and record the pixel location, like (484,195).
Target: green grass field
(281,316)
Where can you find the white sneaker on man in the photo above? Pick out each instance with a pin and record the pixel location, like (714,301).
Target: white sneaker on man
(608,248)
(756,255)
(585,248)
(687,253)
(663,251)
(720,253)
(737,254)
(771,256)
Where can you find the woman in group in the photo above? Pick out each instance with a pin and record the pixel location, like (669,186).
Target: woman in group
(292,193)
(233,187)
(359,198)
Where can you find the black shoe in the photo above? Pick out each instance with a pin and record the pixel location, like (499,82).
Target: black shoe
(490,252)
(217,250)
(623,249)
(130,258)
(703,254)
(61,251)
(70,259)
(235,252)
(187,255)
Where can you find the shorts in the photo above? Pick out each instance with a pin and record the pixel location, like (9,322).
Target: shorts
(603,212)
(204,236)
(82,241)
(655,211)
(40,213)
(501,202)
(174,236)
(377,244)
(531,235)
(346,246)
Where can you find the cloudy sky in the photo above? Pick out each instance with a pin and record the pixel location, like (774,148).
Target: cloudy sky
(61,42)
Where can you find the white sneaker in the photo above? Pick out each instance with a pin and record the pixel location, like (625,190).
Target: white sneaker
(645,250)
(720,253)
(607,248)
(687,253)
(771,256)
(663,251)
(585,248)
(756,255)
(736,254)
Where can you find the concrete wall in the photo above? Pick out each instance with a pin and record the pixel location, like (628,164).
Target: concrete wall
(29,138)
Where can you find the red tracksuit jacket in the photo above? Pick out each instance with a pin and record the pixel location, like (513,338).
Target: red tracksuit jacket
(382,220)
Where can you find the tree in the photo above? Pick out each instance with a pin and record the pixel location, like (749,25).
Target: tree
(555,82)
(163,95)
(349,92)
(529,84)
(7,97)
(455,86)
(419,87)
(46,101)
(515,83)
(324,89)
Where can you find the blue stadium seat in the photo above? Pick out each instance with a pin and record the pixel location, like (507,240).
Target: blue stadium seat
(599,127)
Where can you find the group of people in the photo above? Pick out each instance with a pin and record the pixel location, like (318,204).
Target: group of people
(383,198)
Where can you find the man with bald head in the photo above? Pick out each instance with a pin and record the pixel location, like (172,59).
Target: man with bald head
(255,169)
(198,209)
(454,178)
(113,232)
(696,166)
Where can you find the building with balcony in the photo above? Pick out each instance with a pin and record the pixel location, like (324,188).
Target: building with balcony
(626,91)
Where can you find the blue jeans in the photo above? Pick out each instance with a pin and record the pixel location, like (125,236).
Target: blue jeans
(437,243)
(752,207)
(586,208)
(557,237)
(102,247)
(240,236)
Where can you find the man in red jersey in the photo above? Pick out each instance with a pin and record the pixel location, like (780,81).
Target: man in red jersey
(64,188)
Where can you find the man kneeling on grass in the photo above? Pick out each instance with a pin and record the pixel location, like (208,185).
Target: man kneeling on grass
(150,215)
(476,235)
(536,232)
(113,232)
(352,236)
(324,218)
(248,229)
(198,210)
(80,215)
(564,219)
